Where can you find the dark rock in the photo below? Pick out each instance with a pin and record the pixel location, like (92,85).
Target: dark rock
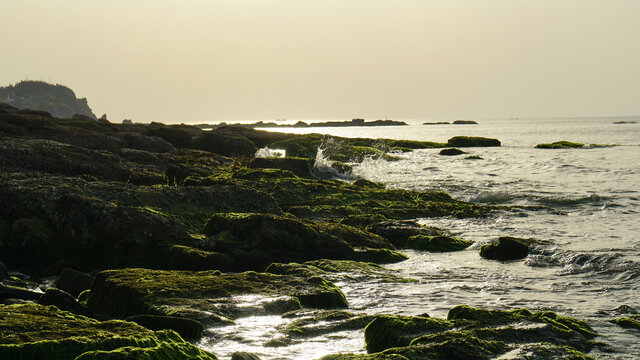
(474,157)
(437,123)
(298,166)
(187,328)
(3,271)
(11,292)
(451,152)
(397,232)
(188,258)
(560,145)
(506,248)
(225,144)
(58,100)
(74,282)
(64,301)
(470,141)
(148,143)
(12,301)
(173,135)
(465,122)
(240,355)
(436,243)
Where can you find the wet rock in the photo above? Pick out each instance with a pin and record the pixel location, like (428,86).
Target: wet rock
(298,166)
(465,122)
(474,157)
(254,241)
(560,145)
(506,248)
(74,282)
(451,152)
(399,231)
(631,322)
(31,331)
(471,333)
(3,270)
(189,258)
(338,270)
(171,134)
(240,355)
(64,301)
(225,144)
(187,328)
(13,292)
(471,141)
(436,243)
(207,296)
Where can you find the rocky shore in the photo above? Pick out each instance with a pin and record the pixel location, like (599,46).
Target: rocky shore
(123,241)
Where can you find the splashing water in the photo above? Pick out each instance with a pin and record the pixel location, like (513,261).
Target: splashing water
(323,167)
(265,152)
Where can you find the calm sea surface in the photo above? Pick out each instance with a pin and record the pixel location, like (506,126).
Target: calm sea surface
(589,212)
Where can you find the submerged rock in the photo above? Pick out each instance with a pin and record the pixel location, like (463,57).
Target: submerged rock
(631,322)
(187,328)
(560,145)
(31,331)
(506,248)
(451,152)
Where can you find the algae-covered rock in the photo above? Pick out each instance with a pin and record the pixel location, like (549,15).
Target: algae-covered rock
(241,355)
(227,145)
(31,331)
(560,145)
(506,248)
(256,240)
(471,333)
(63,301)
(338,270)
(436,243)
(187,328)
(299,166)
(471,141)
(451,152)
(74,282)
(631,322)
(207,296)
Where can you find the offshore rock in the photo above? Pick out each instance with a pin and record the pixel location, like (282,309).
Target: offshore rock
(451,152)
(560,145)
(471,141)
(506,248)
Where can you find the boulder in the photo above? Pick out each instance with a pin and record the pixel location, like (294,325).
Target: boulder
(74,282)
(506,248)
(560,145)
(227,145)
(187,328)
(436,243)
(472,141)
(241,355)
(64,301)
(12,292)
(298,166)
(399,231)
(3,271)
(451,152)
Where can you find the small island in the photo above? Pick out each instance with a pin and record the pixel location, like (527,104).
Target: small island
(302,124)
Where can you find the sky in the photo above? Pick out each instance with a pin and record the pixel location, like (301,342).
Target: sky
(201,61)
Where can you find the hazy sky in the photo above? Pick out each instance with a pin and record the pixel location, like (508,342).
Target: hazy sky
(208,60)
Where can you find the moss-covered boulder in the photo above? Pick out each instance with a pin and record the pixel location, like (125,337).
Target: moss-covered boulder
(437,243)
(451,152)
(560,145)
(506,248)
(32,331)
(339,270)
(298,166)
(207,296)
(254,241)
(472,141)
(472,333)
(630,322)
(227,145)
(187,328)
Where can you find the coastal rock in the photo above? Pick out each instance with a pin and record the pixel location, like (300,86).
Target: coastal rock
(471,333)
(64,301)
(465,122)
(210,297)
(187,328)
(171,134)
(299,166)
(3,270)
(240,355)
(13,292)
(256,240)
(339,270)
(560,145)
(631,322)
(74,282)
(451,152)
(225,145)
(32,332)
(58,100)
(506,248)
(436,243)
(471,141)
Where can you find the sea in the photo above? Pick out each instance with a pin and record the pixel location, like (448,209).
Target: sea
(583,205)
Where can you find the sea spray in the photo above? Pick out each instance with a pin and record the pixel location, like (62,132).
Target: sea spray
(323,168)
(265,152)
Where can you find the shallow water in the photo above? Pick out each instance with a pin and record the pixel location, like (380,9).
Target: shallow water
(588,206)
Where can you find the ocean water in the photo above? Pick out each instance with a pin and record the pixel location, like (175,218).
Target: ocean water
(584,204)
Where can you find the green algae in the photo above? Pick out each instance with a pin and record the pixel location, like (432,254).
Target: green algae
(396,331)
(31,331)
(198,295)
(631,322)
(354,270)
(560,145)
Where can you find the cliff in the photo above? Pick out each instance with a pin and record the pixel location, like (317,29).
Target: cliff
(58,100)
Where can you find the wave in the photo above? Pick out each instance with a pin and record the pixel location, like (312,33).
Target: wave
(503,197)
(265,152)
(323,168)
(611,263)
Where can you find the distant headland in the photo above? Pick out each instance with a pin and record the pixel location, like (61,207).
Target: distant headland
(302,124)
(58,100)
